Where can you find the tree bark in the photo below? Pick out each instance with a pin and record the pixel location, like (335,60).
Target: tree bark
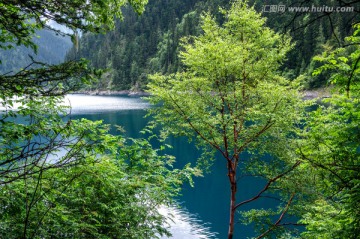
(233,186)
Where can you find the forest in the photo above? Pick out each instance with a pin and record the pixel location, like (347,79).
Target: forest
(228,76)
(146,44)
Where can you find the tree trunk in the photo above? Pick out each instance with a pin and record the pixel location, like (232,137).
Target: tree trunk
(232,179)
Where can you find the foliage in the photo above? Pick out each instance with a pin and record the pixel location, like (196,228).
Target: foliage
(36,138)
(343,63)
(330,148)
(113,197)
(330,151)
(230,97)
(65,178)
(35,87)
(20,19)
(40,79)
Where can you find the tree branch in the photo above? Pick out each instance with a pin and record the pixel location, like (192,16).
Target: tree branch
(271,181)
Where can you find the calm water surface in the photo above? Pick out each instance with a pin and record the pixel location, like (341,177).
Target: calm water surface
(204,208)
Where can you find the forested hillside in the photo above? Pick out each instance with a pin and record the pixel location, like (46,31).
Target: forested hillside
(312,32)
(144,44)
(141,45)
(51,50)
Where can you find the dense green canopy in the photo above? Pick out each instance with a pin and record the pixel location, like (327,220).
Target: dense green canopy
(65,178)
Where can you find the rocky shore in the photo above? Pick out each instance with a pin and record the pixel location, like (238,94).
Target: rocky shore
(307,94)
(316,93)
(111,92)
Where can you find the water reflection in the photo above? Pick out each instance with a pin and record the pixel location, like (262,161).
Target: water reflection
(88,104)
(185,225)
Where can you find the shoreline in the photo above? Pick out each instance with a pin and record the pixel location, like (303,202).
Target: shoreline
(316,93)
(307,94)
(113,92)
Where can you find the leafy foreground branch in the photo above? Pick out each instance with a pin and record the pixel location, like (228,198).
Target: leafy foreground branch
(40,79)
(65,178)
(116,195)
(20,19)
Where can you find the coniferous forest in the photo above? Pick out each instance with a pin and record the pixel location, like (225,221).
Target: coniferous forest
(227,76)
(142,45)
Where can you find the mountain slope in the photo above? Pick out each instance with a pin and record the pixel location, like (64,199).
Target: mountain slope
(52,49)
(141,45)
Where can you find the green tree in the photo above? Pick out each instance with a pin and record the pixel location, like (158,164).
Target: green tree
(330,147)
(117,196)
(232,98)
(65,178)
(37,89)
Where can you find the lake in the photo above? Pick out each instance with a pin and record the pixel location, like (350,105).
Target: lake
(204,208)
